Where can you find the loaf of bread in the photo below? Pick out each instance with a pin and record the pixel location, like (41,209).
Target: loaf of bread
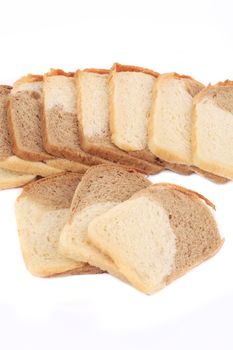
(101,188)
(41,213)
(157,235)
(212,129)
(93,113)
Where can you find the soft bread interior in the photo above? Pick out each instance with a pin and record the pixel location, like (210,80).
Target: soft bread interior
(213,138)
(158,235)
(41,229)
(73,240)
(94,104)
(171,122)
(132,97)
(144,259)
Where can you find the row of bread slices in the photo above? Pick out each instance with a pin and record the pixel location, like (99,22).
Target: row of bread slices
(127,115)
(113,219)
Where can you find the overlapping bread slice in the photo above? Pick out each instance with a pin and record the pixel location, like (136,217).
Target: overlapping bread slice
(213,129)
(9,161)
(59,119)
(130,102)
(93,114)
(24,121)
(157,235)
(41,213)
(170,120)
(8,178)
(101,188)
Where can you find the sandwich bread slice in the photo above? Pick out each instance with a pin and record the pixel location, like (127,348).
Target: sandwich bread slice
(41,213)
(157,235)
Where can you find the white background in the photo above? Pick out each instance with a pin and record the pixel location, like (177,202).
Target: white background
(100,312)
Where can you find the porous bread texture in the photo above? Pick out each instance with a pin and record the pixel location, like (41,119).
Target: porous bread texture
(213,128)
(5,143)
(101,188)
(24,118)
(93,113)
(41,213)
(170,118)
(59,120)
(174,232)
(130,100)
(10,179)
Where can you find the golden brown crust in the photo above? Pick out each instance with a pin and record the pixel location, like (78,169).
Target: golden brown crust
(210,176)
(29,78)
(97,70)
(117,67)
(53,72)
(19,181)
(185,191)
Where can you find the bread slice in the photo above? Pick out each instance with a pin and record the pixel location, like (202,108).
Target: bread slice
(101,188)
(41,212)
(8,160)
(213,129)
(24,118)
(170,121)
(170,118)
(93,113)
(174,232)
(130,102)
(59,119)
(10,179)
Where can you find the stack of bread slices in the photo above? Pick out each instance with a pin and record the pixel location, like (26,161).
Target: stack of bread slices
(130,116)
(113,219)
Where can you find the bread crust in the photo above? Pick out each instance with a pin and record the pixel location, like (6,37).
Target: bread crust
(218,170)
(67,165)
(108,151)
(18,181)
(17,164)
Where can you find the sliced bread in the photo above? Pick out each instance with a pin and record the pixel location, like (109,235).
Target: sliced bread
(8,179)
(170,121)
(101,188)
(174,232)
(59,118)
(24,122)
(8,160)
(170,118)
(130,102)
(41,212)
(24,118)
(213,128)
(93,113)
